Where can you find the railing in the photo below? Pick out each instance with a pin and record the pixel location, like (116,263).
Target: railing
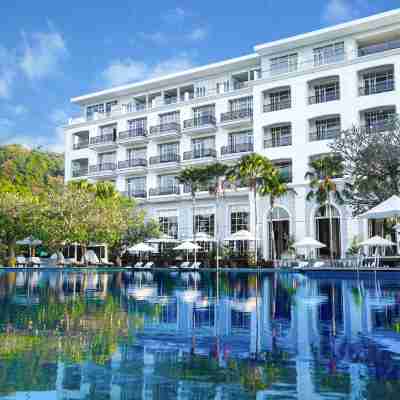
(377,48)
(280,105)
(324,134)
(132,163)
(278,141)
(83,144)
(80,172)
(380,126)
(161,191)
(170,100)
(238,148)
(102,139)
(167,158)
(194,154)
(385,86)
(201,188)
(328,58)
(132,133)
(237,115)
(165,128)
(104,167)
(139,194)
(324,98)
(197,122)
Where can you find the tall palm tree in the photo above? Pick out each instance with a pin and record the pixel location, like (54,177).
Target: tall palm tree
(192,178)
(324,188)
(250,171)
(275,186)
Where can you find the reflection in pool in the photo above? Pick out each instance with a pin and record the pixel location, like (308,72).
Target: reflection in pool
(161,335)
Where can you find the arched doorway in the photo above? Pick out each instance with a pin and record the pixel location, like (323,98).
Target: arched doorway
(322,230)
(281,226)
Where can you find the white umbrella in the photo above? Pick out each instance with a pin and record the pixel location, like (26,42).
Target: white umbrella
(163,239)
(308,243)
(387,209)
(377,241)
(91,257)
(188,246)
(31,242)
(141,248)
(202,237)
(241,235)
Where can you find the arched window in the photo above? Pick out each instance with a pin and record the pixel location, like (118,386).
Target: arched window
(323,212)
(279,214)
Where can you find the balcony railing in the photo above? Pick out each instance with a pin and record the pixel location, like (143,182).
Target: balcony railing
(237,148)
(132,133)
(167,158)
(280,105)
(379,126)
(83,144)
(378,48)
(104,167)
(237,115)
(138,194)
(170,127)
(325,134)
(324,97)
(195,154)
(380,87)
(80,172)
(278,141)
(198,122)
(132,163)
(161,191)
(102,139)
(201,188)
(170,100)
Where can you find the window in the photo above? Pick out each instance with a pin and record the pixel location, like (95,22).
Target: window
(244,103)
(169,117)
(96,108)
(136,186)
(205,223)
(135,154)
(222,87)
(283,65)
(285,168)
(200,91)
(238,139)
(169,226)
(110,105)
(168,151)
(278,100)
(107,158)
(203,111)
(240,220)
(277,136)
(377,82)
(327,128)
(109,130)
(378,118)
(202,145)
(329,54)
(325,92)
(137,124)
(168,181)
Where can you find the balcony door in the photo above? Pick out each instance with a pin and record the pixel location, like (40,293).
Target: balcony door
(167,182)
(244,103)
(136,186)
(136,154)
(169,118)
(240,139)
(107,158)
(168,151)
(202,146)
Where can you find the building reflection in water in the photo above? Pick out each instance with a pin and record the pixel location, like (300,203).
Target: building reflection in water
(159,335)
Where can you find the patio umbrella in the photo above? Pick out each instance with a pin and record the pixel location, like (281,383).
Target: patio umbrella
(387,209)
(241,235)
(141,248)
(163,239)
(31,242)
(188,246)
(308,243)
(377,241)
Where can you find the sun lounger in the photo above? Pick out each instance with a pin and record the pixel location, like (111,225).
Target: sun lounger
(21,261)
(195,265)
(139,264)
(149,265)
(35,261)
(185,265)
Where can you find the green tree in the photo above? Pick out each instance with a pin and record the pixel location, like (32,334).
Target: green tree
(323,186)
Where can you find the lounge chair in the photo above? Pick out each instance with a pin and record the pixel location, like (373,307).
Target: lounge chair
(195,265)
(139,264)
(35,261)
(21,261)
(149,265)
(185,265)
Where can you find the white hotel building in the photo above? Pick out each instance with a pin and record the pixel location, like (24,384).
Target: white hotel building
(287,100)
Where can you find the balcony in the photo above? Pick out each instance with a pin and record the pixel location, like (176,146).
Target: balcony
(170,130)
(165,162)
(187,189)
(135,194)
(378,48)
(237,118)
(324,134)
(237,149)
(380,87)
(324,97)
(132,165)
(131,136)
(164,191)
(103,142)
(81,172)
(103,170)
(199,156)
(202,124)
(83,144)
(278,141)
(281,105)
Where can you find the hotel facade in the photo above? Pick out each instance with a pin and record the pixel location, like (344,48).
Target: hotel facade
(288,100)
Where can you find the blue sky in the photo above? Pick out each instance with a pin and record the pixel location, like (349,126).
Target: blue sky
(51,51)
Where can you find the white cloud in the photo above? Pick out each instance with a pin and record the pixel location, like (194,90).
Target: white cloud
(198,34)
(343,10)
(42,54)
(129,70)
(158,38)
(175,15)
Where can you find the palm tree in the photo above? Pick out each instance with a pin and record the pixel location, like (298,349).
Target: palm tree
(192,178)
(323,187)
(275,186)
(250,171)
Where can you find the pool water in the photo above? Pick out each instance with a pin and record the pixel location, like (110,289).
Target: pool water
(196,335)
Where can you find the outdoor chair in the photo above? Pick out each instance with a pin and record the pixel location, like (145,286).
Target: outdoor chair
(149,265)
(139,264)
(185,265)
(21,261)
(35,261)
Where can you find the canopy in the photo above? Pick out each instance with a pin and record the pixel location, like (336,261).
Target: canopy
(387,209)
(308,243)
(202,237)
(163,239)
(141,247)
(377,241)
(188,246)
(241,235)
(29,241)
